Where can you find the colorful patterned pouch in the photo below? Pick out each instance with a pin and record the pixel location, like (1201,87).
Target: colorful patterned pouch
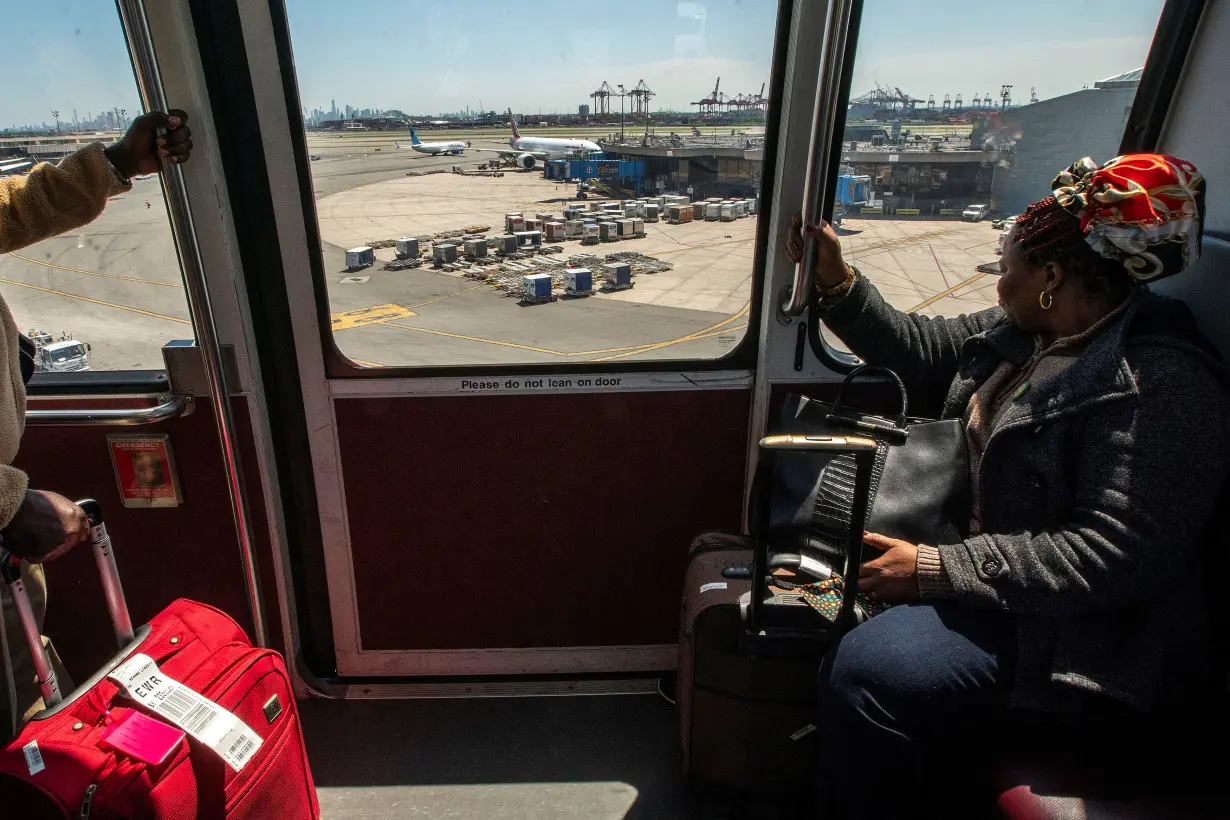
(825,597)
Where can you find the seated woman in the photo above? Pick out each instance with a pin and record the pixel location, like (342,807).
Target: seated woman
(1098,423)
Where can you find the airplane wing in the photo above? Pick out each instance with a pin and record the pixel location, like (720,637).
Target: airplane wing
(10,167)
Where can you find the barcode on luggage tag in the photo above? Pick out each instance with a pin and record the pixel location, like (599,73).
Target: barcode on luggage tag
(240,750)
(222,731)
(34,758)
(192,715)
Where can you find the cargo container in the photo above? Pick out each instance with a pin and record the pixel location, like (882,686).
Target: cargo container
(504,244)
(617,274)
(627,228)
(359,257)
(443,254)
(573,228)
(475,248)
(533,225)
(713,211)
(590,235)
(608,231)
(678,214)
(530,239)
(514,223)
(638,227)
(651,212)
(544,218)
(537,286)
(578,281)
(726,212)
(553,231)
(407,248)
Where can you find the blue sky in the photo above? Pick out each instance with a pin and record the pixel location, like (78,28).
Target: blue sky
(427,57)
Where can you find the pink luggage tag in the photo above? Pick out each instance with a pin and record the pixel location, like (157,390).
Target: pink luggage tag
(143,738)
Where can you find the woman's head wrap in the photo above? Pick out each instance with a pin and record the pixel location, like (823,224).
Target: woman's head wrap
(1144,210)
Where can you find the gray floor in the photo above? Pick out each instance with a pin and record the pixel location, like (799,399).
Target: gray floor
(534,758)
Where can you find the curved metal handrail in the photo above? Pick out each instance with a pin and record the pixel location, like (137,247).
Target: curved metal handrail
(172,408)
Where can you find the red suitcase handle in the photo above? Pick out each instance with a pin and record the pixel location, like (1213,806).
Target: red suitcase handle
(121,621)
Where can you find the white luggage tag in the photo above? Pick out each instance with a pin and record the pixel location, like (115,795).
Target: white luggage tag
(220,730)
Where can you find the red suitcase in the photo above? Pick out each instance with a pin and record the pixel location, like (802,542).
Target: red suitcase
(59,766)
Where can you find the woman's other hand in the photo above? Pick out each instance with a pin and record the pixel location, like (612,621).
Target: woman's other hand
(143,151)
(830,268)
(893,577)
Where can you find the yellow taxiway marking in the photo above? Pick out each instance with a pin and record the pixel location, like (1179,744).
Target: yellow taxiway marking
(376,314)
(97,301)
(712,330)
(96,273)
(948,292)
(447,296)
(474,339)
(630,350)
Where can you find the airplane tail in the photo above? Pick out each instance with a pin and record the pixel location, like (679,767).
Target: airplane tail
(414,138)
(516,135)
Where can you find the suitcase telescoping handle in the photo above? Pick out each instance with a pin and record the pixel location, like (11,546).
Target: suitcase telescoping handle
(10,568)
(864,451)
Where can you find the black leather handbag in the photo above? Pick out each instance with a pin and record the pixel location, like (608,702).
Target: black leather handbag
(920,485)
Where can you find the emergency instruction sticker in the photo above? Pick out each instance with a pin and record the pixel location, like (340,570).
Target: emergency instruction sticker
(197,715)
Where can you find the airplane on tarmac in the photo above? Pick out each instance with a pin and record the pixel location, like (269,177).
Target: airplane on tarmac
(434,148)
(528,151)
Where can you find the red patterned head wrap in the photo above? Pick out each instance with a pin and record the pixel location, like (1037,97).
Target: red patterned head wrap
(1144,210)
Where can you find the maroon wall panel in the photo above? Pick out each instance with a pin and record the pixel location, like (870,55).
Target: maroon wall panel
(188,551)
(516,521)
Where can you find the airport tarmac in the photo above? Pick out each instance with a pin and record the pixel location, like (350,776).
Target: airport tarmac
(115,283)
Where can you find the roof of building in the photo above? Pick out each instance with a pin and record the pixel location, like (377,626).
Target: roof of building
(1119,80)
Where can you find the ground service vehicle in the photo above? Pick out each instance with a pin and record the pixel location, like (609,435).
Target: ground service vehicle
(464,517)
(975,213)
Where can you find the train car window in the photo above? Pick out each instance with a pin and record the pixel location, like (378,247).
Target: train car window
(106,296)
(960,120)
(502,184)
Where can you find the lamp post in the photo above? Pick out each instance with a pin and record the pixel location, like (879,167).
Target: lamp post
(56,114)
(621,112)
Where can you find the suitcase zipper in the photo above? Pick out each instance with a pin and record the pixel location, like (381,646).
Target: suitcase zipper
(85,803)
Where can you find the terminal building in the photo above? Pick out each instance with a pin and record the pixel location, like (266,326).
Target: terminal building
(729,167)
(1090,122)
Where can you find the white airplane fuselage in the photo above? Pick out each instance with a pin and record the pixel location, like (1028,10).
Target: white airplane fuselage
(553,147)
(437,148)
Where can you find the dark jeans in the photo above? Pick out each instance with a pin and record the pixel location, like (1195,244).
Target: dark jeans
(897,693)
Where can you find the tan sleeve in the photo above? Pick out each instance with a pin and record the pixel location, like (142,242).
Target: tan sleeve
(13,484)
(52,199)
(933,581)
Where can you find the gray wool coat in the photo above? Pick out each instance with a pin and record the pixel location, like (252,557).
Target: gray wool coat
(1096,490)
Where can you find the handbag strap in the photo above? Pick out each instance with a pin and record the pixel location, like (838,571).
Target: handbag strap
(868,369)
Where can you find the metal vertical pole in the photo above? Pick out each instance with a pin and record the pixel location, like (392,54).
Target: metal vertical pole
(149,81)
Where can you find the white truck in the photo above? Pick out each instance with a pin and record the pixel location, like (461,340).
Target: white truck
(64,355)
(975,213)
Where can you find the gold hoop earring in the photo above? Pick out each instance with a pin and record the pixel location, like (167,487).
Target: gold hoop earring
(1045,300)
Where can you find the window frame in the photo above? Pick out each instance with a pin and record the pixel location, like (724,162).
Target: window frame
(339,366)
(1172,41)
